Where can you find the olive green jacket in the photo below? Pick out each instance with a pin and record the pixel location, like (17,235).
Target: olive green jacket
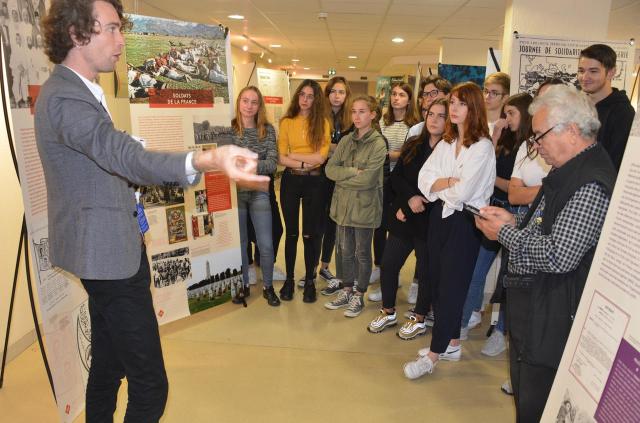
(357,198)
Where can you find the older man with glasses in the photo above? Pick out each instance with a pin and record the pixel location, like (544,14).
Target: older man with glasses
(550,249)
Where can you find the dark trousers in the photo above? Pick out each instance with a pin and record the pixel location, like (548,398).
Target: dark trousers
(305,189)
(453,245)
(380,236)
(531,383)
(125,342)
(395,255)
(327,239)
(276,228)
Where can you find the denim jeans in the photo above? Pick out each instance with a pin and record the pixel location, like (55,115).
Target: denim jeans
(486,256)
(258,205)
(355,249)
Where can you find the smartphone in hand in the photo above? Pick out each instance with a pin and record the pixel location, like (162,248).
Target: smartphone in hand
(473,210)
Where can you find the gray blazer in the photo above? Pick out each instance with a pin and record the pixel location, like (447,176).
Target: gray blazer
(88,164)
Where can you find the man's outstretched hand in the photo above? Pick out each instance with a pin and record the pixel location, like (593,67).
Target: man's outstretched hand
(239,164)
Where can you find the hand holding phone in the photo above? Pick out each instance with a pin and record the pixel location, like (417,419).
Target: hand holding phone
(473,210)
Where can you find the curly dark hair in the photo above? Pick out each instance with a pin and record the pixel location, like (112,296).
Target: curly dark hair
(64,14)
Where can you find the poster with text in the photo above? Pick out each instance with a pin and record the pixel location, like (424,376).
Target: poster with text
(274,86)
(598,379)
(180,95)
(535,59)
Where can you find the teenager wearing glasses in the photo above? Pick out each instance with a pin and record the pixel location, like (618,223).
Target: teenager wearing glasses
(337,94)
(303,146)
(400,116)
(461,170)
(432,88)
(408,223)
(496,91)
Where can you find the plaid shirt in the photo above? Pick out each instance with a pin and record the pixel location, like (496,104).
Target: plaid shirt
(575,231)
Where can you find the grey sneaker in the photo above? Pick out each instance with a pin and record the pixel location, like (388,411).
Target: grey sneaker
(356,305)
(332,287)
(495,344)
(451,354)
(412,298)
(430,319)
(382,321)
(341,301)
(419,367)
(411,329)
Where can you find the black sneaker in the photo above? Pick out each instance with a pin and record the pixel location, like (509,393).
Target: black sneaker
(286,292)
(270,295)
(326,274)
(301,281)
(309,295)
(333,286)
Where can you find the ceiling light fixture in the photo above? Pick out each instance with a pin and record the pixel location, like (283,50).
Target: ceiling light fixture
(275,45)
(295,60)
(353,57)
(352,67)
(306,68)
(398,40)
(245,48)
(236,17)
(269,60)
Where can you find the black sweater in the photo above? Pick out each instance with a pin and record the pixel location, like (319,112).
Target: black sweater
(616,116)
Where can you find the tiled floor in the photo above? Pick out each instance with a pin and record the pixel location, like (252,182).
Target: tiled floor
(295,363)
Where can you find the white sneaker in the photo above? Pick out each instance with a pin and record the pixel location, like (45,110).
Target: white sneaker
(451,354)
(419,367)
(464,333)
(278,274)
(474,320)
(382,321)
(375,295)
(253,277)
(412,298)
(495,345)
(506,387)
(375,275)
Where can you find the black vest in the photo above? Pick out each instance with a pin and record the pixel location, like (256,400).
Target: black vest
(555,296)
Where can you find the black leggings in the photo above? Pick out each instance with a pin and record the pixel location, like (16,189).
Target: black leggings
(327,239)
(293,190)
(395,254)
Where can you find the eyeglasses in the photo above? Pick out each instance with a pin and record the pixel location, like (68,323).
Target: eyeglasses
(492,93)
(432,93)
(306,96)
(533,139)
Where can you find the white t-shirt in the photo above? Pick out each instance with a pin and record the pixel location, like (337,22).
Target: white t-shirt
(475,166)
(530,171)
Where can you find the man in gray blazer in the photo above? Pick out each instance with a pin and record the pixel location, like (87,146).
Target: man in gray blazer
(89,167)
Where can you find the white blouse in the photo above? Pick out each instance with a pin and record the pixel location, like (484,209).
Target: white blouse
(475,166)
(530,171)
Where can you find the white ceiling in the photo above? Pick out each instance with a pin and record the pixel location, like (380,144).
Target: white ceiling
(363,28)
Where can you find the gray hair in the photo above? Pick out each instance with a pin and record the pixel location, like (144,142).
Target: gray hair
(566,105)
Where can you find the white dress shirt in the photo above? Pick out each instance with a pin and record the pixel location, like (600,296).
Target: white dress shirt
(475,167)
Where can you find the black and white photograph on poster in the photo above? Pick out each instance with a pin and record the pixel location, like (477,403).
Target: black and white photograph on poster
(535,59)
(201,201)
(213,279)
(570,412)
(42,254)
(176,224)
(205,133)
(83,337)
(161,196)
(23,48)
(170,267)
(163,53)
(202,225)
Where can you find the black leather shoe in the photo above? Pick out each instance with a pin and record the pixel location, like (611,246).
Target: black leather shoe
(286,292)
(270,295)
(309,295)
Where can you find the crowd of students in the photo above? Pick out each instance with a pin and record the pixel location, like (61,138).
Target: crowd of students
(375,187)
